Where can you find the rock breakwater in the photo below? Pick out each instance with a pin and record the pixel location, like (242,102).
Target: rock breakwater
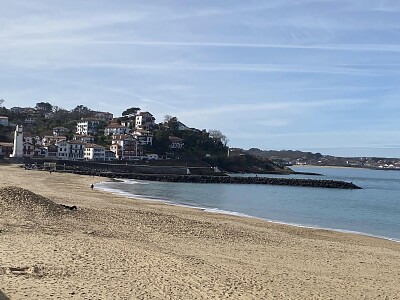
(230,180)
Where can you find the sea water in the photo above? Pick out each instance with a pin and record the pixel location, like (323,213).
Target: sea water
(373,210)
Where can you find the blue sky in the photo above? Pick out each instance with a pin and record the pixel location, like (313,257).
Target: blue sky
(320,75)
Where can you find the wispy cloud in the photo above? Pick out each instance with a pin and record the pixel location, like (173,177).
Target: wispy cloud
(271,106)
(17,42)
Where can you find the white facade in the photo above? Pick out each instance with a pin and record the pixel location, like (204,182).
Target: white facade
(77,150)
(144,120)
(48,139)
(115,128)
(94,152)
(73,150)
(126,147)
(60,131)
(87,127)
(63,150)
(145,137)
(18,150)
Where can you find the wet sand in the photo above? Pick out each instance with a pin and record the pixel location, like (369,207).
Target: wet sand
(113,247)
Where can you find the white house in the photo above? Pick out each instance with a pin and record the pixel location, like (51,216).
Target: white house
(145,137)
(60,131)
(87,126)
(145,120)
(115,128)
(77,150)
(63,150)
(94,152)
(31,150)
(126,147)
(84,138)
(49,139)
(3,121)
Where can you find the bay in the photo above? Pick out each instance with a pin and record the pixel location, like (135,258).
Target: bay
(373,210)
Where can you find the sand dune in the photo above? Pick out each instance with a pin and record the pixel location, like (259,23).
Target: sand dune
(118,248)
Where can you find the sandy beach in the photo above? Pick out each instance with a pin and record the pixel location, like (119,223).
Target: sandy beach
(113,247)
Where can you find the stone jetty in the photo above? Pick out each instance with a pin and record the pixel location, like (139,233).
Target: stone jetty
(227,179)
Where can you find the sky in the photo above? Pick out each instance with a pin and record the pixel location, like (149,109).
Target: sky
(312,75)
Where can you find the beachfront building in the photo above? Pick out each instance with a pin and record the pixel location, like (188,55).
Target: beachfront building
(33,151)
(88,126)
(51,151)
(126,147)
(77,150)
(109,155)
(115,128)
(94,152)
(60,131)
(3,121)
(71,150)
(63,150)
(145,137)
(34,140)
(144,120)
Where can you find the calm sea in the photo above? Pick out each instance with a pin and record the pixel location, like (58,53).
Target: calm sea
(374,210)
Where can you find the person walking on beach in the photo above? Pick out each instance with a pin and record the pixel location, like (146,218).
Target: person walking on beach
(92,186)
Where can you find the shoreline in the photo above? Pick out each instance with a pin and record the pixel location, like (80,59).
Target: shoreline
(114,247)
(238,214)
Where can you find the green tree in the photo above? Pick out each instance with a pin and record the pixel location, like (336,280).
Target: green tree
(160,141)
(131,112)
(44,107)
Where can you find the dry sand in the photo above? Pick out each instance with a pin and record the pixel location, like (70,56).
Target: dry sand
(118,248)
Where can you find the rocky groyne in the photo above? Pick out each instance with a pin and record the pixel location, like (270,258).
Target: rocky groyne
(227,179)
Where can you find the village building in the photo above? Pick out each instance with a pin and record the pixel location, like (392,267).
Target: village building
(72,150)
(145,137)
(60,131)
(51,150)
(126,147)
(115,128)
(109,155)
(84,138)
(77,150)
(6,149)
(88,126)
(3,121)
(175,142)
(49,139)
(127,122)
(145,120)
(94,152)
(33,151)
(104,116)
